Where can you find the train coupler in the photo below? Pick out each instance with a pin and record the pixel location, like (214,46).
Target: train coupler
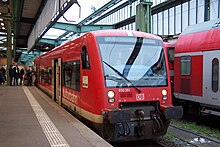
(159,122)
(138,130)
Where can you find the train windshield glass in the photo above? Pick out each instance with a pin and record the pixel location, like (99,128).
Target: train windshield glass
(132,61)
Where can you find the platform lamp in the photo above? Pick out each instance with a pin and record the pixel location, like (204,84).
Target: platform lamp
(4,2)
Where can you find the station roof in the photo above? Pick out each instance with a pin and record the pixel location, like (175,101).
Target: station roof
(23,15)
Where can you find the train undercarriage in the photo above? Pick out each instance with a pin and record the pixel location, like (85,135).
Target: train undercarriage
(136,122)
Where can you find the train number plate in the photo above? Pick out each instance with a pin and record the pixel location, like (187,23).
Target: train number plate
(124,90)
(140,96)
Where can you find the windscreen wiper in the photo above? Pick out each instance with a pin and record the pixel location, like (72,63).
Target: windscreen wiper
(115,70)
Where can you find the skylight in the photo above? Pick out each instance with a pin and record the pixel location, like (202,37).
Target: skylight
(53,33)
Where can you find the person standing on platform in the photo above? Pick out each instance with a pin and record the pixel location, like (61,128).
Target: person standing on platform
(1,78)
(3,72)
(16,75)
(21,75)
(11,74)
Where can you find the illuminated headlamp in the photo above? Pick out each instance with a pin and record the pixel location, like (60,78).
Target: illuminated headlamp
(164,93)
(111,95)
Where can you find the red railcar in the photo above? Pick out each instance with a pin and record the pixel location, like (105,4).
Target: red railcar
(117,80)
(196,76)
(169,47)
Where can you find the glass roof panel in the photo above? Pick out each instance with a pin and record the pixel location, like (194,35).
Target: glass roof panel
(53,33)
(71,15)
(3,48)
(2,37)
(3,33)
(68,35)
(77,13)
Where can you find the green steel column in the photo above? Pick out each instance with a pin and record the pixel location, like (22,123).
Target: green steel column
(130,3)
(9,50)
(14,47)
(143,16)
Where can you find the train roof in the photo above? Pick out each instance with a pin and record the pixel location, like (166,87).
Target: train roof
(115,32)
(199,38)
(124,33)
(208,25)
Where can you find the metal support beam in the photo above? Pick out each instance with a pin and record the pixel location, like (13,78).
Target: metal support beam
(48,41)
(31,21)
(88,28)
(99,11)
(14,49)
(22,37)
(51,23)
(166,5)
(3,35)
(3,45)
(143,11)
(80,29)
(125,22)
(18,8)
(9,50)
(112,11)
(58,40)
(65,27)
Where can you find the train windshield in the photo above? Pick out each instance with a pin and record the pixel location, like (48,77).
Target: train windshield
(132,61)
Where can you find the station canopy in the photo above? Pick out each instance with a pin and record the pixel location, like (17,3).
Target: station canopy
(40,26)
(74,20)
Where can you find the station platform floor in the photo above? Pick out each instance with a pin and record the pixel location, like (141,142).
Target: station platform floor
(28,117)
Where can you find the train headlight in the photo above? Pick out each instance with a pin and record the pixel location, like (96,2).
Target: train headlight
(111,94)
(164,93)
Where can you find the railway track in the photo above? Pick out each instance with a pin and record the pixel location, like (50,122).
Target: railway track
(142,143)
(186,137)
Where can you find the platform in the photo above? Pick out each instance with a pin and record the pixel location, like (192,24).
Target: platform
(29,118)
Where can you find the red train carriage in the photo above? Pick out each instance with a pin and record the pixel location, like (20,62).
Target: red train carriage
(117,80)
(169,47)
(196,76)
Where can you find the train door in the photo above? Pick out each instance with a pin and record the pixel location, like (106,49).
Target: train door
(211,78)
(57,81)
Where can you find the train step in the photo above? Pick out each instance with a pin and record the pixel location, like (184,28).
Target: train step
(207,111)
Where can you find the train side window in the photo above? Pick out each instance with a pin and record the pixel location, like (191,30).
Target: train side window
(185,66)
(85,58)
(71,75)
(170,52)
(215,74)
(46,75)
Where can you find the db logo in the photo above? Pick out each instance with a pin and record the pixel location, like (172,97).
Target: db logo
(140,96)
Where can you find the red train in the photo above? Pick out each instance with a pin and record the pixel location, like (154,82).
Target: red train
(169,47)
(196,76)
(115,79)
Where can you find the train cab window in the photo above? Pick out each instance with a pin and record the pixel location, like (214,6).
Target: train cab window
(185,62)
(71,75)
(215,74)
(85,58)
(170,52)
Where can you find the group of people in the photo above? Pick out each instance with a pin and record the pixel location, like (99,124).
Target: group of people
(2,75)
(15,74)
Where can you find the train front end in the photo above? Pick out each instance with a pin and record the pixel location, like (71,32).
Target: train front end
(138,103)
